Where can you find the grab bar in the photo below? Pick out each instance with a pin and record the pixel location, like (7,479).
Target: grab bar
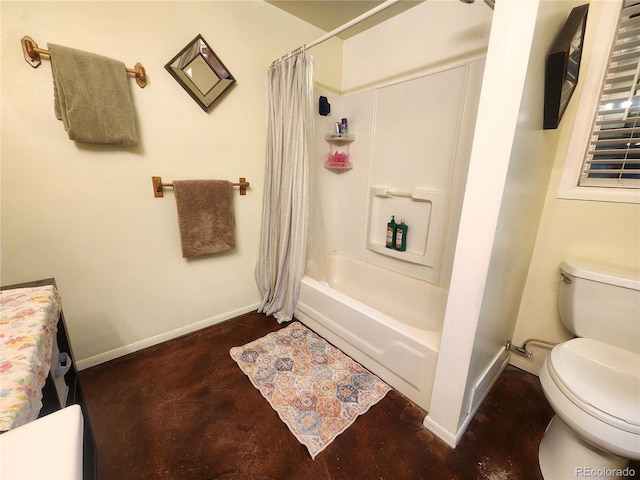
(416,194)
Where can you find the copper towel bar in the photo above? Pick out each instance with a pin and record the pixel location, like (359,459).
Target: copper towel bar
(32,56)
(158,186)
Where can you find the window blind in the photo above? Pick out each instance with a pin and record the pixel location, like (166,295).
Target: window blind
(613,154)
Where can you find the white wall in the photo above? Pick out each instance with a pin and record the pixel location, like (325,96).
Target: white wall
(85,214)
(430,36)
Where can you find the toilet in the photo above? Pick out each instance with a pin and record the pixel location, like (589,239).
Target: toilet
(593,381)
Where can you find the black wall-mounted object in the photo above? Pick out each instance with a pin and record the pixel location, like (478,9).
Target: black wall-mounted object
(563,66)
(324,107)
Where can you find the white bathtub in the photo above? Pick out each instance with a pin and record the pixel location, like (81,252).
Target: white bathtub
(387,321)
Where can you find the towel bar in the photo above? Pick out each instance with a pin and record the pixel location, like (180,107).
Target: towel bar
(158,186)
(32,56)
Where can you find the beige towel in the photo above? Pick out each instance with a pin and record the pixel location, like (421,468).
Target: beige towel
(92,97)
(205,216)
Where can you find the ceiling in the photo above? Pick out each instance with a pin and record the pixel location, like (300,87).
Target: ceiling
(330,14)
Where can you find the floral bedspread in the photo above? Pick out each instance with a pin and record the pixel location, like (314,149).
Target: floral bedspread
(28,325)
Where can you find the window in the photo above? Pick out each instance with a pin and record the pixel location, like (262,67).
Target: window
(613,154)
(608,169)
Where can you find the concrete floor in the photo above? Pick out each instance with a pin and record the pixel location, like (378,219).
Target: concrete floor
(184,410)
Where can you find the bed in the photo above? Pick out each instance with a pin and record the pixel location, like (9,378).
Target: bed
(37,376)
(28,328)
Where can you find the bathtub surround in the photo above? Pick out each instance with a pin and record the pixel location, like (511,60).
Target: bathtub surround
(410,160)
(283,238)
(205,216)
(384,307)
(417,164)
(389,322)
(316,389)
(92,97)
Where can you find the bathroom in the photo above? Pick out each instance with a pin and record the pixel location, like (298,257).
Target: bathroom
(87,216)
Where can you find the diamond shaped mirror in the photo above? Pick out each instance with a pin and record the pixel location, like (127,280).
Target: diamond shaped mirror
(201,73)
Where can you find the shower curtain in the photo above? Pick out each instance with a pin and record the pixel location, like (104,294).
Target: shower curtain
(281,259)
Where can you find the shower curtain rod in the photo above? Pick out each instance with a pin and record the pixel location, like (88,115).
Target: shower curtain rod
(336,31)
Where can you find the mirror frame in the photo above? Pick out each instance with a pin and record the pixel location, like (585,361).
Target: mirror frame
(199,48)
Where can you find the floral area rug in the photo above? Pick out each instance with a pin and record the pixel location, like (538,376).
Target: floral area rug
(316,389)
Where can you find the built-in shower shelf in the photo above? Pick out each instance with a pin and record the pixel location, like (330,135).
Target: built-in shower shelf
(424,211)
(407,255)
(339,157)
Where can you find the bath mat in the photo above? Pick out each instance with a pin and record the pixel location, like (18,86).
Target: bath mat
(317,390)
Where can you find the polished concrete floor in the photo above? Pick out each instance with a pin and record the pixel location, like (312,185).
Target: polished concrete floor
(184,410)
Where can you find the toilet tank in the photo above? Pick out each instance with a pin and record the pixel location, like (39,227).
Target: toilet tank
(601,302)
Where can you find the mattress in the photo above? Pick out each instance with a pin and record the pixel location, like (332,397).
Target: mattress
(28,328)
(53,441)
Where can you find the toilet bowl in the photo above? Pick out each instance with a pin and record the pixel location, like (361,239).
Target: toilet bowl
(594,388)
(593,384)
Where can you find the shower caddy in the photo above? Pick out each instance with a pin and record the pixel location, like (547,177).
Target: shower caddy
(339,157)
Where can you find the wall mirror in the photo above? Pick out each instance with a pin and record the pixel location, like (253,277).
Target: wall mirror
(201,73)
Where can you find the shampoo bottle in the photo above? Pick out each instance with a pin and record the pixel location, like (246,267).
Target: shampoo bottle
(401,237)
(392,228)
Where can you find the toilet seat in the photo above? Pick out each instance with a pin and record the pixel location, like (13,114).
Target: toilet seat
(601,379)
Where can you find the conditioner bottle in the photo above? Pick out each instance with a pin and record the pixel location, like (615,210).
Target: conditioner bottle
(401,236)
(392,228)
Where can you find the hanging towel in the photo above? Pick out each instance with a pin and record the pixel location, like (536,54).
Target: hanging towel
(92,97)
(205,216)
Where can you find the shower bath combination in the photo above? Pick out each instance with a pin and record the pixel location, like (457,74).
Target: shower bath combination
(384,307)
(396,337)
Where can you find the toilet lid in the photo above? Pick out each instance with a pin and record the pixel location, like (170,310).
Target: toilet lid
(603,376)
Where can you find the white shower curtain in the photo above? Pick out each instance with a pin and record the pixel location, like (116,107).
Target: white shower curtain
(283,239)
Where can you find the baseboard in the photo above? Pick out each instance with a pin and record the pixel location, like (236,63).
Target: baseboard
(482,389)
(163,337)
(478,393)
(440,432)
(487,380)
